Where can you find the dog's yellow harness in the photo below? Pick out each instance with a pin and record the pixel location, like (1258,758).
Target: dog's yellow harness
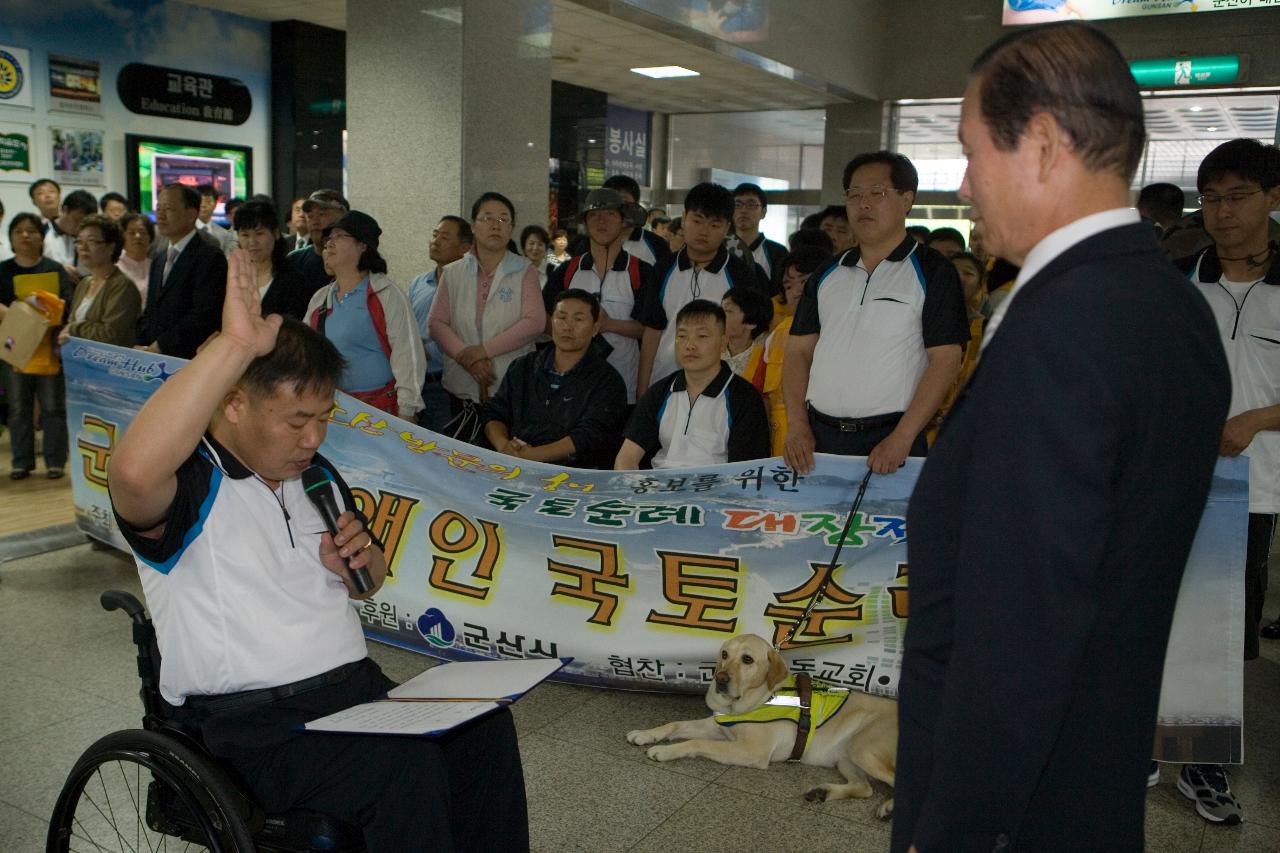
(797,701)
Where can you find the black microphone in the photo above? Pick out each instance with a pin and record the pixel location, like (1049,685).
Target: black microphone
(319,487)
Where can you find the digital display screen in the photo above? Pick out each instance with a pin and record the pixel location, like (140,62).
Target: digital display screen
(154,164)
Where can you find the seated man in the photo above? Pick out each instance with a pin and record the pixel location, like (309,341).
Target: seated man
(563,403)
(702,414)
(250,596)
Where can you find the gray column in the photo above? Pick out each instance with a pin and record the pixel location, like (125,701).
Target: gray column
(850,130)
(445,100)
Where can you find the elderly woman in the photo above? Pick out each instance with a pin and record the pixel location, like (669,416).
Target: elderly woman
(534,241)
(488,307)
(369,319)
(139,233)
(106,303)
(24,389)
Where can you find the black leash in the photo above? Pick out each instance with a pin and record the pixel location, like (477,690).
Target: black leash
(835,559)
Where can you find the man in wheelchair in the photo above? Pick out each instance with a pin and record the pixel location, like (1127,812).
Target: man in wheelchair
(250,596)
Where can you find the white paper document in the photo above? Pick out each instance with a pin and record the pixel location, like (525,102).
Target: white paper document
(441,698)
(481,680)
(402,718)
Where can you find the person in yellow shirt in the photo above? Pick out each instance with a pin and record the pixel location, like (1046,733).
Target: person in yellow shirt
(764,370)
(972,277)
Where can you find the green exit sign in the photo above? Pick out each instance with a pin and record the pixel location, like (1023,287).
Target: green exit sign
(1189,71)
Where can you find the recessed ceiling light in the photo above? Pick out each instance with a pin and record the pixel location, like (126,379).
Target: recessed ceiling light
(1196,109)
(1211,128)
(591,142)
(659,72)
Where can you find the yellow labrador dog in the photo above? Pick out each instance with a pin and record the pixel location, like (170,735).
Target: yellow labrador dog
(860,739)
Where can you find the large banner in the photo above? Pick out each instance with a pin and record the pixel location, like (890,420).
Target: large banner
(640,576)
(1045,11)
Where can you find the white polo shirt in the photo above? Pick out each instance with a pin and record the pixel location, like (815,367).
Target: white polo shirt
(1248,316)
(726,423)
(236,589)
(647,246)
(679,283)
(874,328)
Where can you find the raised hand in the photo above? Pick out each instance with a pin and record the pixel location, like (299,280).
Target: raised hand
(242,319)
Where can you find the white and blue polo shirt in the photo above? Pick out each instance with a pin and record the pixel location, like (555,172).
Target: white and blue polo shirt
(679,283)
(1248,317)
(236,589)
(726,423)
(874,328)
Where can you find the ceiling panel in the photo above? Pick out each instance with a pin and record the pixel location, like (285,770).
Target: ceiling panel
(595,50)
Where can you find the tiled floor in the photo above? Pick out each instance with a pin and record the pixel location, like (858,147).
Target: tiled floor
(67,670)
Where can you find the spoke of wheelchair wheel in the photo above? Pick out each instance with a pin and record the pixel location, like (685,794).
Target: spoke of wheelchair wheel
(137,811)
(86,837)
(89,797)
(107,795)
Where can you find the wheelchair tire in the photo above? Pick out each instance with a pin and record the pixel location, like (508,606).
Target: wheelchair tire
(139,790)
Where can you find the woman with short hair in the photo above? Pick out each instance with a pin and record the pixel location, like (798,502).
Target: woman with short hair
(282,288)
(106,303)
(534,241)
(139,233)
(488,309)
(43,383)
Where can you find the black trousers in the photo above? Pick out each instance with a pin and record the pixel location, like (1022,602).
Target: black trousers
(830,439)
(463,791)
(1262,528)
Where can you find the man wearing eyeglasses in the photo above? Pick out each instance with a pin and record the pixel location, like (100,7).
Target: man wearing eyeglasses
(747,242)
(1239,275)
(878,335)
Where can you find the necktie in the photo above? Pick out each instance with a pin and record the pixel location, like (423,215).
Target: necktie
(169,261)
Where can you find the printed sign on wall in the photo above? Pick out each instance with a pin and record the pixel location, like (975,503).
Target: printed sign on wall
(17,146)
(75,85)
(1046,11)
(626,143)
(77,156)
(174,93)
(15,76)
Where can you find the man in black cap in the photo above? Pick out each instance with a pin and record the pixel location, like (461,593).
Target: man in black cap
(322,208)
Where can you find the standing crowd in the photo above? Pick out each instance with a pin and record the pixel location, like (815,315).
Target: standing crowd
(655,342)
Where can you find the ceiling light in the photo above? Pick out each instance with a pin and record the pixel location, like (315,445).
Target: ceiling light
(1210,128)
(1196,109)
(591,142)
(659,72)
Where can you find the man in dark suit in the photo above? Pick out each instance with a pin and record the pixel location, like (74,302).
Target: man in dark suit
(184,300)
(1045,559)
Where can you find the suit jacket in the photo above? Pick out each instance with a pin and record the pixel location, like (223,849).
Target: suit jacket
(288,294)
(182,311)
(1048,534)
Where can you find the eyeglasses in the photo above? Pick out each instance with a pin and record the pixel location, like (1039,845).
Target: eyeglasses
(486,218)
(1209,200)
(875,195)
(746,204)
(329,240)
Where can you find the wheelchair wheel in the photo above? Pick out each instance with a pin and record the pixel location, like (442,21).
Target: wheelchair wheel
(138,790)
